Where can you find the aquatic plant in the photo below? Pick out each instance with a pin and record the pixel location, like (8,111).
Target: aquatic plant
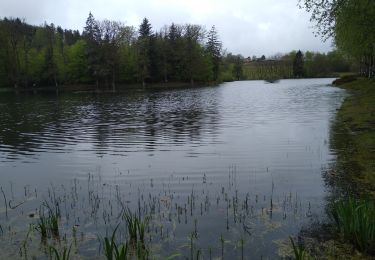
(141,227)
(242,242)
(48,225)
(5,202)
(176,255)
(198,254)
(222,246)
(151,222)
(142,252)
(64,255)
(54,225)
(136,225)
(42,227)
(299,250)
(132,224)
(355,221)
(112,251)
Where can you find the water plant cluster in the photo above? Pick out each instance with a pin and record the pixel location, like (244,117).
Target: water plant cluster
(355,222)
(190,217)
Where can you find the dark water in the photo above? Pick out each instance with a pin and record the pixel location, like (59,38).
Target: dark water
(242,160)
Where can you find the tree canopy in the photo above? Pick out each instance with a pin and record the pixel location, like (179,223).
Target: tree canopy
(107,53)
(350,23)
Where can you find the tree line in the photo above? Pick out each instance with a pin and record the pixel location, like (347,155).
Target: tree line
(109,53)
(350,23)
(106,53)
(295,64)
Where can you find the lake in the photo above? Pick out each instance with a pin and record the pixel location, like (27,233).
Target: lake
(229,170)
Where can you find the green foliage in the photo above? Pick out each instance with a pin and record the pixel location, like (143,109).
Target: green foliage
(56,255)
(136,226)
(48,225)
(299,250)
(350,23)
(141,251)
(214,47)
(76,62)
(355,221)
(132,224)
(237,68)
(42,227)
(298,65)
(112,251)
(109,53)
(106,53)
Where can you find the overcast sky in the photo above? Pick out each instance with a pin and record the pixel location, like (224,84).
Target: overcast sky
(248,27)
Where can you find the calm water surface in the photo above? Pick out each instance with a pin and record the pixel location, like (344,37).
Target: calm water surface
(242,160)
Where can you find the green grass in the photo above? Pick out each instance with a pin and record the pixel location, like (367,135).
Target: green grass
(355,222)
(357,117)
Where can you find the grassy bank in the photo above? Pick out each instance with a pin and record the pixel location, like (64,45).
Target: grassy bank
(356,138)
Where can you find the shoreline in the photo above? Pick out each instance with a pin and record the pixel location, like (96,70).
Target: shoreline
(91,88)
(353,173)
(356,117)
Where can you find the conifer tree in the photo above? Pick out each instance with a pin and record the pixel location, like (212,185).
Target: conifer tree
(214,47)
(298,69)
(92,36)
(144,50)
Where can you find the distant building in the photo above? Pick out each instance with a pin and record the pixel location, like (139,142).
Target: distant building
(247,60)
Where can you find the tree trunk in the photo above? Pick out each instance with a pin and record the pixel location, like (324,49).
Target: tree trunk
(165,75)
(113,81)
(371,66)
(54,78)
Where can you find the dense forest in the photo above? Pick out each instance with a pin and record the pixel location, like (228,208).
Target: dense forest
(108,54)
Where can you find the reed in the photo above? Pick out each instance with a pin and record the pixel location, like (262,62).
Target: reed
(136,226)
(132,224)
(112,251)
(48,225)
(142,252)
(56,255)
(299,251)
(141,228)
(355,222)
(42,227)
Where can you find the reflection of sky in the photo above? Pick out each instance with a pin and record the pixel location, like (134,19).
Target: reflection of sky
(280,127)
